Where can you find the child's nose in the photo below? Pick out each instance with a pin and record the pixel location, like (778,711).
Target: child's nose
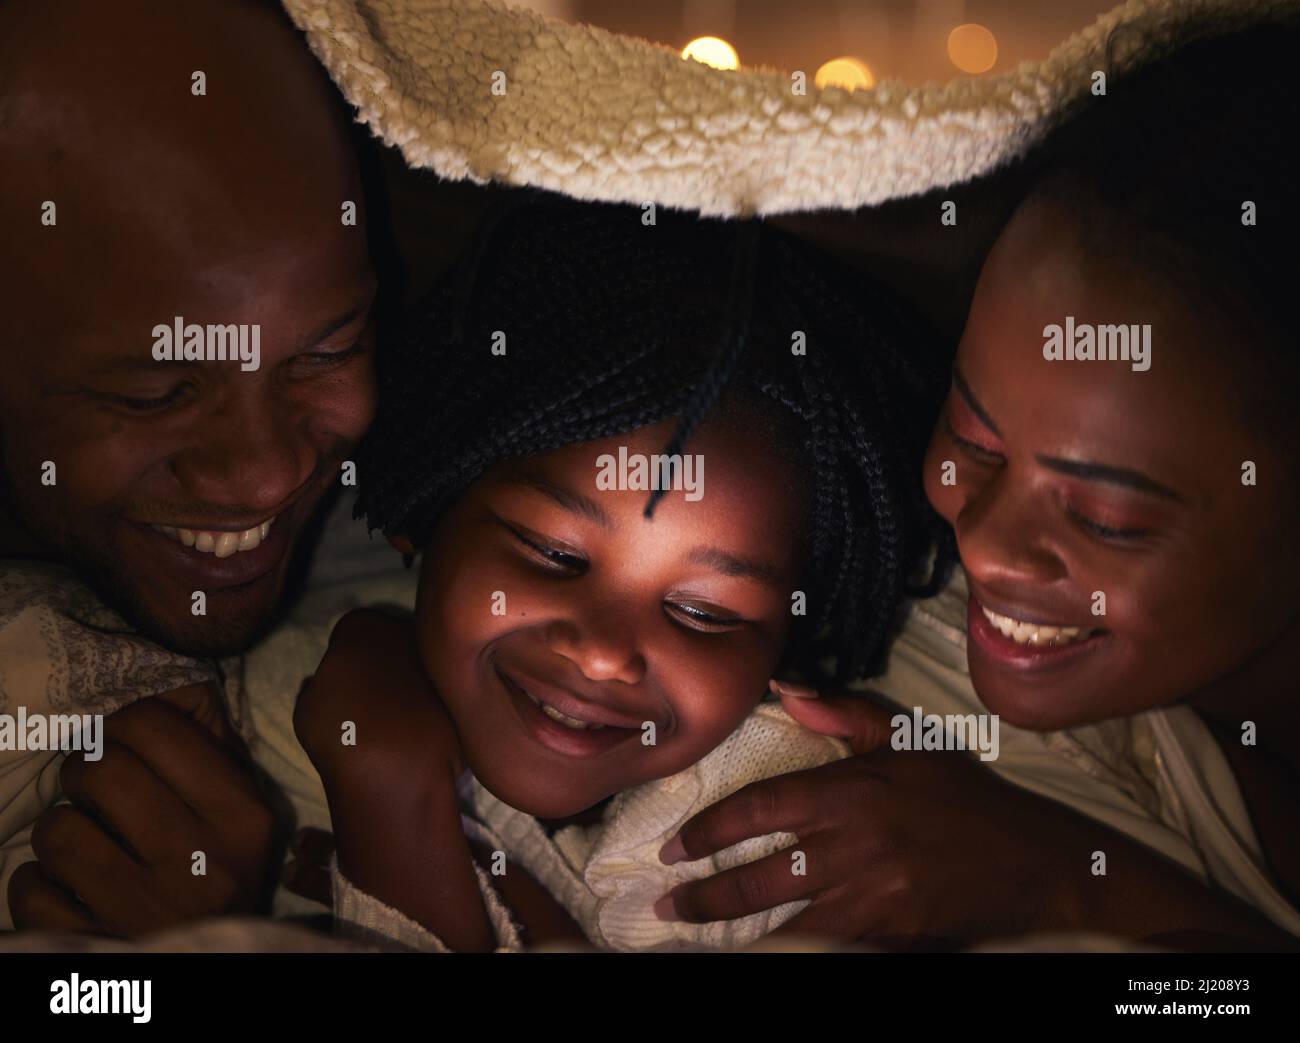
(600,644)
(1004,536)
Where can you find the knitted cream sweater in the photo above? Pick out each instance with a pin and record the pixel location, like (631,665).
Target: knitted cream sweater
(608,875)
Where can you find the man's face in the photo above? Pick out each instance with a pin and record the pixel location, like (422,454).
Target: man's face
(161,480)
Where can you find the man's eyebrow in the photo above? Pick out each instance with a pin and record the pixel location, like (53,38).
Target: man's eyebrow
(146,363)
(732,565)
(571,501)
(328,329)
(1121,476)
(959,381)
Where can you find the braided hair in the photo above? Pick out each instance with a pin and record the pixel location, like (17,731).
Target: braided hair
(611,325)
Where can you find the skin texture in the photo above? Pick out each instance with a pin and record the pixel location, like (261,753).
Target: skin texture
(621,632)
(221,209)
(1200,609)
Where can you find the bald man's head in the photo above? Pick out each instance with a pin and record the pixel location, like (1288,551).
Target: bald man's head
(187,168)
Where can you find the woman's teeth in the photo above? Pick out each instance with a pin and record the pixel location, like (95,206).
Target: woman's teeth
(1034,634)
(222,544)
(564,719)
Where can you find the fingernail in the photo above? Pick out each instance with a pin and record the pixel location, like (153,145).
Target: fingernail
(665,909)
(673,851)
(795,691)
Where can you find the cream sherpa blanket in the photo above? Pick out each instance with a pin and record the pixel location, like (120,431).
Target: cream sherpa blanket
(476,89)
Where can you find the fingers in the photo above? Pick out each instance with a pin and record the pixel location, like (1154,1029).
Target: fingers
(307,871)
(137,805)
(782,803)
(854,718)
(36,903)
(733,893)
(184,756)
(203,704)
(78,855)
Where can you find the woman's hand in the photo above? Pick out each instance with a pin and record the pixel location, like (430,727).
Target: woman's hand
(922,849)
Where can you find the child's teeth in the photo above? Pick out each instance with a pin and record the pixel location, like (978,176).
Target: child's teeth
(1034,634)
(220,544)
(567,721)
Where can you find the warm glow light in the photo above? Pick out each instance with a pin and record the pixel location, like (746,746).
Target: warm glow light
(712,51)
(849,73)
(972,48)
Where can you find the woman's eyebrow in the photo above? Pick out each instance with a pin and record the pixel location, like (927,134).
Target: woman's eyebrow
(1121,476)
(963,388)
(732,565)
(573,502)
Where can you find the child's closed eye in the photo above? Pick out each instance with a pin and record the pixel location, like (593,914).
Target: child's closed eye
(707,619)
(550,554)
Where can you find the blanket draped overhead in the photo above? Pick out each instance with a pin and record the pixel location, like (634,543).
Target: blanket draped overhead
(480,90)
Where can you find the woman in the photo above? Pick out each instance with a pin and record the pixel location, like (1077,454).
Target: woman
(1126,529)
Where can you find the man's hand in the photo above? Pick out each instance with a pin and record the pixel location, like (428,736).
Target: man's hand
(167,827)
(920,849)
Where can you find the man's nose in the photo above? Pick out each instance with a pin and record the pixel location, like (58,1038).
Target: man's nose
(1004,535)
(601,641)
(248,454)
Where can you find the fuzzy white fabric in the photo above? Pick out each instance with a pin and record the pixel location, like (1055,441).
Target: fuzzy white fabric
(600,116)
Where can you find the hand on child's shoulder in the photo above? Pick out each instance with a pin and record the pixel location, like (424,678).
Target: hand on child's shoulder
(368,718)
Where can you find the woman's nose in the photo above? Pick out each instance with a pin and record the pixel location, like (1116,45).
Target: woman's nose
(1004,535)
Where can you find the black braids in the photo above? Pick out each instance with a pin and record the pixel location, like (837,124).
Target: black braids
(740,300)
(606,331)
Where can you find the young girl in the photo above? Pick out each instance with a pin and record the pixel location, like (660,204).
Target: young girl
(591,624)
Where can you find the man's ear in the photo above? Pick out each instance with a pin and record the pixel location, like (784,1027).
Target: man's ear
(402,542)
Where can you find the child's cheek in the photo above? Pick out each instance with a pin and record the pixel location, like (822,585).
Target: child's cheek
(711,696)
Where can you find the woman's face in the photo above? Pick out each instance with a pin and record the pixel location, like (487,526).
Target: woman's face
(645,641)
(1078,479)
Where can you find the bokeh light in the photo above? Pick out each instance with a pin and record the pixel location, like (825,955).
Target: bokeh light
(712,51)
(849,73)
(972,48)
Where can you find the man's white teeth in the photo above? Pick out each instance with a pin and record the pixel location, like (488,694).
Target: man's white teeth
(1034,634)
(563,718)
(222,544)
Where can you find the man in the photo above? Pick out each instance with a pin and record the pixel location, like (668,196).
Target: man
(175,180)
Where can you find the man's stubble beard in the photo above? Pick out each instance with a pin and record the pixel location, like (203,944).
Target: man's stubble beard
(214,635)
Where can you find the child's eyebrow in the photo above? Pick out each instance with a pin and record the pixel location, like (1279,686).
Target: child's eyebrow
(731,565)
(573,502)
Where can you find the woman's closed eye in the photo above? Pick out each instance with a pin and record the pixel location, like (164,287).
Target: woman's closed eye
(982,452)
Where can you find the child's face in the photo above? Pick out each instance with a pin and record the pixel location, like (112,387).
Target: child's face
(1077,478)
(537,586)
